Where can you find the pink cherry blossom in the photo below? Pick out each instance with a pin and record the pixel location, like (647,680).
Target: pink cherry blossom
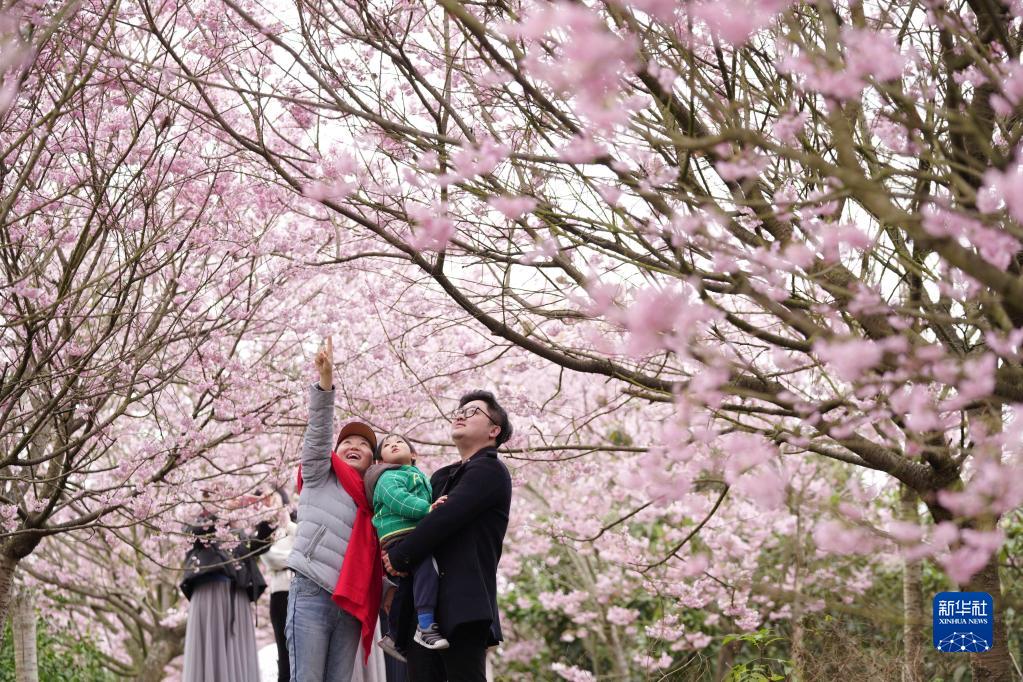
(512,207)
(581,150)
(748,166)
(788,127)
(734,21)
(433,228)
(833,536)
(849,359)
(963,563)
(1007,186)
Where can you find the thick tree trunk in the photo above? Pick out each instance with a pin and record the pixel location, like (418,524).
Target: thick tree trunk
(7,567)
(912,600)
(23,627)
(993,665)
(165,647)
(726,657)
(12,551)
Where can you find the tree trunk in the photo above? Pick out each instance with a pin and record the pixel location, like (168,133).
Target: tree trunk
(7,567)
(165,647)
(798,649)
(23,627)
(993,665)
(12,551)
(912,600)
(726,657)
(800,656)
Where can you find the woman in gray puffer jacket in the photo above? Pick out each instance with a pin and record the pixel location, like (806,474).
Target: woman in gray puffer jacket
(323,639)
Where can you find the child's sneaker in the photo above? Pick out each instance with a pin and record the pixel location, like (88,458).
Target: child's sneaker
(388,646)
(431,637)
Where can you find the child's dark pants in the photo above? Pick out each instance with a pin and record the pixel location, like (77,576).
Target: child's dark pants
(423,583)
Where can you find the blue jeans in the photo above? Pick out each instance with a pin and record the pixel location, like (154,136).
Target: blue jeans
(323,640)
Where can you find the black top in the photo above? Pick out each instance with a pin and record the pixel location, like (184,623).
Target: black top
(465,536)
(207,561)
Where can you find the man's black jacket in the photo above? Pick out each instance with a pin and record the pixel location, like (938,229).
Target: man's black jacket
(464,535)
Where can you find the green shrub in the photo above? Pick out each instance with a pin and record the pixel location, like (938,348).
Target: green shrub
(62,658)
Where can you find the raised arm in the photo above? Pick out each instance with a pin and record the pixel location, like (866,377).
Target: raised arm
(320,429)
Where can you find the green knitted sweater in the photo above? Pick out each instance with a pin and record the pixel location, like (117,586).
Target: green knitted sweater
(402,497)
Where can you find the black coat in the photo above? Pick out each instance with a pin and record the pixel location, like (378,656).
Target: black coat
(205,559)
(465,536)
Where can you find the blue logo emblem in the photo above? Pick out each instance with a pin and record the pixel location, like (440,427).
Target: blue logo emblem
(964,622)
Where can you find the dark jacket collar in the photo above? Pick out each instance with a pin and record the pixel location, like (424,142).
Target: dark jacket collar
(454,471)
(488,451)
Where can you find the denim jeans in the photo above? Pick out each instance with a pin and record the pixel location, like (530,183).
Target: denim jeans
(323,640)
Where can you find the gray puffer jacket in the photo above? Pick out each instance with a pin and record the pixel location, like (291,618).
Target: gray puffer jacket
(326,513)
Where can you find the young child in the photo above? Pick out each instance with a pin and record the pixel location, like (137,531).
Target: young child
(401,496)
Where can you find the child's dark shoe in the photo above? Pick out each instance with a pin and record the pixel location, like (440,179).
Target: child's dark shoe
(431,637)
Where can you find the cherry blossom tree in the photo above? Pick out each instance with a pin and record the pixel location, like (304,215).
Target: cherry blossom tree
(135,298)
(117,589)
(603,580)
(796,222)
(782,235)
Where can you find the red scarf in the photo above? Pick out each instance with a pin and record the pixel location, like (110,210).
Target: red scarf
(360,584)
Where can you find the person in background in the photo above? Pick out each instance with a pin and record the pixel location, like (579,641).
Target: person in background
(394,668)
(220,584)
(276,563)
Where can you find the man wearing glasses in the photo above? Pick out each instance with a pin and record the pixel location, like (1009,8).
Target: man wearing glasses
(464,532)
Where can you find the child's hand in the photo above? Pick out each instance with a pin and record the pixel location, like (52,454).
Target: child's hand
(387,565)
(440,500)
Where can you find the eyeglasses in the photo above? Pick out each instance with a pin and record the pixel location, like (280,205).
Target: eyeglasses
(467,412)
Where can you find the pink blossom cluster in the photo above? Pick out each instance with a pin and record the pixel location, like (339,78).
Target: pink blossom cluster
(994,245)
(870,56)
(591,58)
(735,21)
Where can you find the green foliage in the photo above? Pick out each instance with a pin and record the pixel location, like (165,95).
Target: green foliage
(753,672)
(761,639)
(764,668)
(619,437)
(1011,559)
(62,658)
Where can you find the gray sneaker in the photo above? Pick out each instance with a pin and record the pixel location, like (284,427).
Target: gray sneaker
(430,637)
(388,646)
